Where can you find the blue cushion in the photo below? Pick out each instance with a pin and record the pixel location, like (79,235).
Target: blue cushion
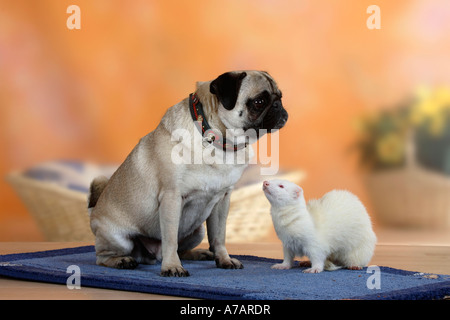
(71,174)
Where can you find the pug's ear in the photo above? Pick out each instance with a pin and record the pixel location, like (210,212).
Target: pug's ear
(226,88)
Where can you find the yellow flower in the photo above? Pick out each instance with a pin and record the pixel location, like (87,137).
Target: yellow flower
(390,148)
(430,107)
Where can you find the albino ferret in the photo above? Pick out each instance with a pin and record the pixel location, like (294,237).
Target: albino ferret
(334,231)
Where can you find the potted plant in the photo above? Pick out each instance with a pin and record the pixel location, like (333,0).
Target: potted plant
(405,152)
(430,117)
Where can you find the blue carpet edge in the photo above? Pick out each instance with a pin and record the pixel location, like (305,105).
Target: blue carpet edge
(424,292)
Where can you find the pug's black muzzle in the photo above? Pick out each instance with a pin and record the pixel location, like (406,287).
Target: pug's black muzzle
(275,118)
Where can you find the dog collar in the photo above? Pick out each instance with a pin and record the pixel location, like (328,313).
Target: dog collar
(209,136)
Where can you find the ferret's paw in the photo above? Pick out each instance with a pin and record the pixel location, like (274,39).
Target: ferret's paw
(313,270)
(281,266)
(354,268)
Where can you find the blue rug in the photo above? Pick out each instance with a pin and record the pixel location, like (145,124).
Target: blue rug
(256,281)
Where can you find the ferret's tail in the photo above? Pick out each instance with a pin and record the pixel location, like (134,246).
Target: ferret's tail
(96,189)
(330,266)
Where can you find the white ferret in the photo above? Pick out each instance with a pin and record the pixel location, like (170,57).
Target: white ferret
(334,231)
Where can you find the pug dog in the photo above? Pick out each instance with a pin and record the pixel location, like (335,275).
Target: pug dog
(153,208)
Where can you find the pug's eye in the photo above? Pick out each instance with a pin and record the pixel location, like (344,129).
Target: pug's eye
(259,102)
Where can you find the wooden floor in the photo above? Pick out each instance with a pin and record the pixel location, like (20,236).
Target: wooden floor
(413,257)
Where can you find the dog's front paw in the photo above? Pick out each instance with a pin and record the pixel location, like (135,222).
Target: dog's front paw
(174,271)
(229,263)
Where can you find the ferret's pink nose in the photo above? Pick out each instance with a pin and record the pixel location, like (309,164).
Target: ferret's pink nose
(265,183)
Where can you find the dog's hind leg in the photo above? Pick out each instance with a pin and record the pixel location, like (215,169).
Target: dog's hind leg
(114,250)
(146,250)
(186,246)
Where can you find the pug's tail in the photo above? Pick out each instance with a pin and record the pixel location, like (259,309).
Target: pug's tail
(96,189)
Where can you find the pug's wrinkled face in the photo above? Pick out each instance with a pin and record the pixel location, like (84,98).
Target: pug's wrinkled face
(249,100)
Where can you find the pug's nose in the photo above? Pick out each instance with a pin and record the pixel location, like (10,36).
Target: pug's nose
(276,104)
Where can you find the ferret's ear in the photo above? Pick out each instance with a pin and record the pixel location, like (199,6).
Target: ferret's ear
(298,192)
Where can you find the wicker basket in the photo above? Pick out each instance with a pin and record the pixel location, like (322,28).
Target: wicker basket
(411,197)
(61,213)
(249,217)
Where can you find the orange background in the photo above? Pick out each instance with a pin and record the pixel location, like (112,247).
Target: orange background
(90,94)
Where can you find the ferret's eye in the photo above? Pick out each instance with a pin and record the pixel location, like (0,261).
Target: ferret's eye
(281,186)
